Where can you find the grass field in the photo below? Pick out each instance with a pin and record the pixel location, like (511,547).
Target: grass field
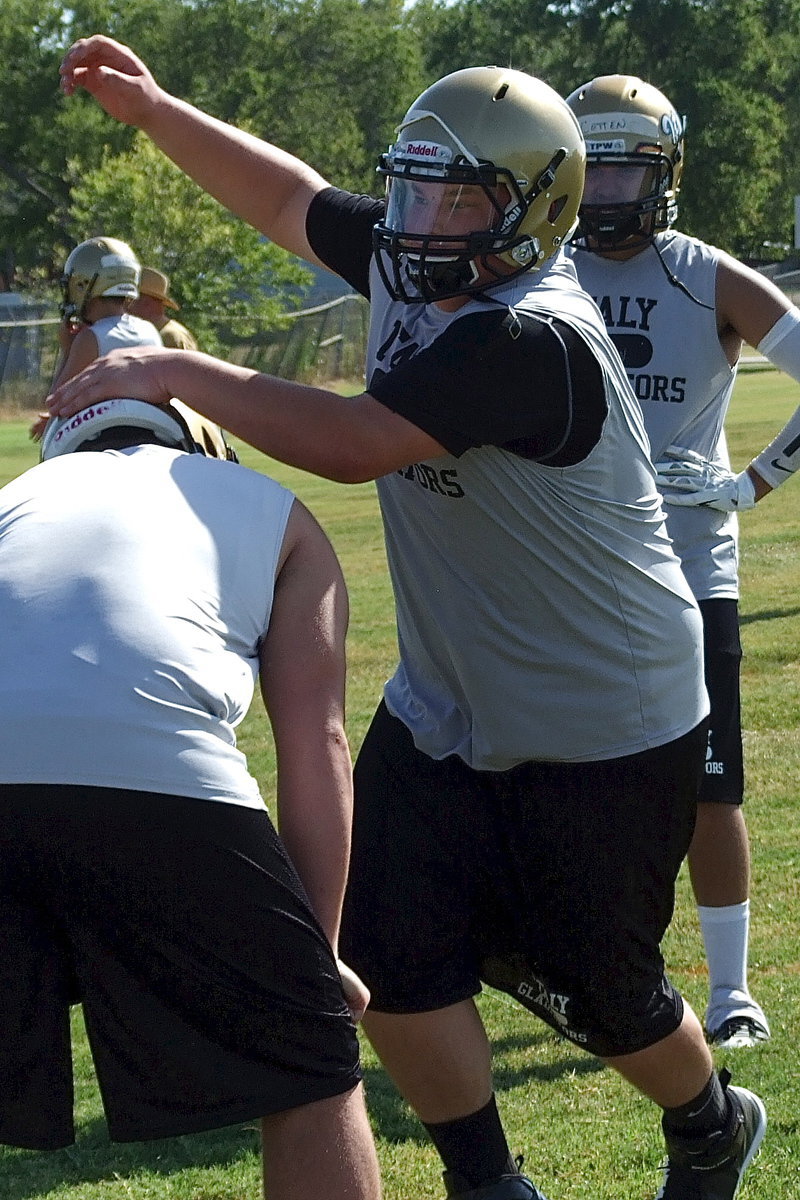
(584,1134)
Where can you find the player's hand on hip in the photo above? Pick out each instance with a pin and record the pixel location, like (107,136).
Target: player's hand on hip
(112,73)
(356,992)
(686,478)
(135,374)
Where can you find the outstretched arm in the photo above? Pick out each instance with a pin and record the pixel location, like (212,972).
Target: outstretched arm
(346,438)
(261,183)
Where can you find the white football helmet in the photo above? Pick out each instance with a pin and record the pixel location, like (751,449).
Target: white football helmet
(634,144)
(101,266)
(173,424)
(482,183)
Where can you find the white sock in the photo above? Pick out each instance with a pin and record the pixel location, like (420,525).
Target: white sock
(725,936)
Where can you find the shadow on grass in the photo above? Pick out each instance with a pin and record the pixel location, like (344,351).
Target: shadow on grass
(767,614)
(93,1158)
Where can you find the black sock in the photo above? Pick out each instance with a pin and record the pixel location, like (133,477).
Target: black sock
(707,1114)
(475,1146)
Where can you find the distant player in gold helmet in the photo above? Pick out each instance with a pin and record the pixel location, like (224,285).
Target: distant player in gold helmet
(98,286)
(99,283)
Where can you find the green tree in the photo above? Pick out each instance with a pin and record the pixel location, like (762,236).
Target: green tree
(231,282)
(326,79)
(524,34)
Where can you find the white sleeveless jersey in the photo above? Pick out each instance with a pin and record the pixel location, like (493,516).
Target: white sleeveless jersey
(115,333)
(542,613)
(135,587)
(681,377)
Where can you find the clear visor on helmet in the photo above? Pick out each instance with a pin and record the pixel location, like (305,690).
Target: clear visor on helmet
(617,179)
(626,199)
(621,183)
(445,211)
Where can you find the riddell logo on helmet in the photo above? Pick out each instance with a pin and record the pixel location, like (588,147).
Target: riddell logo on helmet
(83,418)
(425,150)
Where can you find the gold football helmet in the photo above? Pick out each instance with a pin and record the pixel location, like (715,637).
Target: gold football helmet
(634,148)
(482,183)
(101,266)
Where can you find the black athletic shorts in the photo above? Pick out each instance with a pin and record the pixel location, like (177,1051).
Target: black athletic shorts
(209,991)
(723,781)
(553,882)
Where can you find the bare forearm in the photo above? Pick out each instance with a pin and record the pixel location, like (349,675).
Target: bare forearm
(348,439)
(314,820)
(304,426)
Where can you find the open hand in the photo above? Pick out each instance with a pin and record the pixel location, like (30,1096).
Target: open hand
(137,374)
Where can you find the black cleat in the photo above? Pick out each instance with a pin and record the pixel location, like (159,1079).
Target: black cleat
(710,1171)
(505,1187)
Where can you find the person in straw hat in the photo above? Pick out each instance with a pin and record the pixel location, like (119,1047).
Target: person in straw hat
(154,299)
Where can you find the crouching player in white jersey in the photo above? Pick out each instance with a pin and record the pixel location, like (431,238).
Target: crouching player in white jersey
(143,589)
(678,311)
(527,790)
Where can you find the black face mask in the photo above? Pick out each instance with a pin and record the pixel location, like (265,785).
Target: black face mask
(610,227)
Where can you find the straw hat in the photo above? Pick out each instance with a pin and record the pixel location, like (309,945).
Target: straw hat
(156,284)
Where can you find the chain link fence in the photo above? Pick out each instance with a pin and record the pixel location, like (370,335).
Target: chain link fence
(315,345)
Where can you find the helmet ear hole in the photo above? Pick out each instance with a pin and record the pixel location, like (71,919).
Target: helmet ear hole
(556,208)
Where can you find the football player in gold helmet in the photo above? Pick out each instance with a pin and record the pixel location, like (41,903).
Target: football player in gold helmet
(679,312)
(508,788)
(99,283)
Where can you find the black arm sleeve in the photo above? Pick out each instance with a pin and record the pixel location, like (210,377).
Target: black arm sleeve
(339,231)
(528,384)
